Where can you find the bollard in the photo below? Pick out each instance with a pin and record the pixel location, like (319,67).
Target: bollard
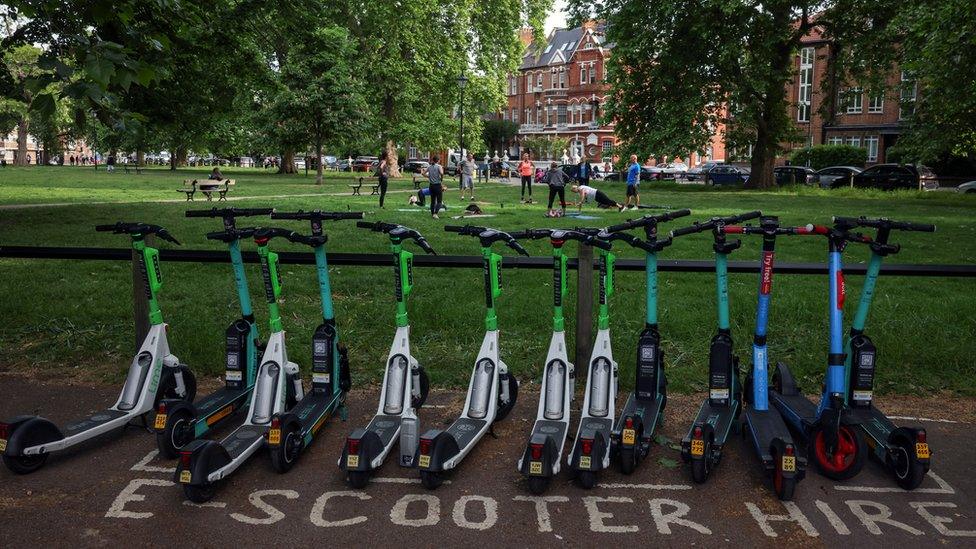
(584,305)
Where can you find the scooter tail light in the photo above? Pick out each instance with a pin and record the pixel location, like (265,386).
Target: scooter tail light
(185,459)
(919,437)
(629,423)
(587,446)
(536,450)
(161,408)
(276,422)
(789,450)
(352,446)
(425,445)
(698,432)
(4,431)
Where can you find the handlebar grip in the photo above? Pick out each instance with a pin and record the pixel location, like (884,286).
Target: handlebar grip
(453,228)
(200,213)
(755,214)
(217,235)
(104,228)
(598,243)
(287,215)
(920,227)
(425,246)
(676,214)
(350,215)
(248,212)
(691,229)
(366,224)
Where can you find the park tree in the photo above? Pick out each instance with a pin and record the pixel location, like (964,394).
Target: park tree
(496,133)
(322,103)
(698,64)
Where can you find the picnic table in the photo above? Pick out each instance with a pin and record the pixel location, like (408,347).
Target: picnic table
(207,187)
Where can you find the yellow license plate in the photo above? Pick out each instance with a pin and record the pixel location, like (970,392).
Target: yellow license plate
(585,462)
(535,467)
(274,437)
(185,477)
(3,445)
(629,436)
(425,461)
(160,422)
(697,447)
(352,460)
(789,463)
(922,450)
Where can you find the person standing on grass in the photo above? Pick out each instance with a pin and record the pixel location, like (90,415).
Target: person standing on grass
(383,176)
(588,193)
(525,169)
(583,171)
(467,176)
(633,183)
(435,182)
(556,180)
(110,163)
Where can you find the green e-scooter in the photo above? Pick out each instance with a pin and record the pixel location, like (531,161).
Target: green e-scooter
(178,421)
(155,373)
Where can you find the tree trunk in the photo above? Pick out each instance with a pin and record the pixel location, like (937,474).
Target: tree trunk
(287,162)
(318,163)
(140,158)
(392,158)
(22,129)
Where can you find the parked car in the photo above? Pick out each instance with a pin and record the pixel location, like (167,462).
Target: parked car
(833,177)
(415,166)
(791,175)
(699,171)
(343,165)
(299,163)
(968,188)
(895,176)
(727,174)
(674,170)
(364,163)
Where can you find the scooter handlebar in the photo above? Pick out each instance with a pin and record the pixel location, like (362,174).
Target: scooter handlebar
(230,212)
(647,220)
(317,215)
(398,231)
(144,229)
(884,223)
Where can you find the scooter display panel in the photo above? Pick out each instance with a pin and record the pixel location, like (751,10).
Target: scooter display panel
(464,430)
(242,438)
(92,421)
(385,427)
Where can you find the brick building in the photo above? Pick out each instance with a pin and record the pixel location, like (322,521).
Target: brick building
(854,115)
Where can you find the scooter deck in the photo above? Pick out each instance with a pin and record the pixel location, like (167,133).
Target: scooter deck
(218,399)
(242,439)
(873,422)
(648,410)
(764,427)
(797,408)
(464,430)
(314,409)
(720,418)
(93,421)
(385,427)
(551,428)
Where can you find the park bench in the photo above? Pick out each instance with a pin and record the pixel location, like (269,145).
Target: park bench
(126,168)
(207,187)
(359,185)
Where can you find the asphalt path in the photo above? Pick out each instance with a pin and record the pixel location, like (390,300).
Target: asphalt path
(115,490)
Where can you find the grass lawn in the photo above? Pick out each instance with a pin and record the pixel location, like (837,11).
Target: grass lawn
(74,319)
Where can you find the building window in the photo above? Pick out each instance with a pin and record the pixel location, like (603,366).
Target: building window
(515,115)
(871,144)
(592,74)
(561,113)
(528,83)
(538,81)
(855,100)
(607,145)
(909,89)
(562,79)
(412,152)
(582,75)
(528,118)
(876,104)
(853,141)
(505,115)
(835,141)
(538,115)
(805,94)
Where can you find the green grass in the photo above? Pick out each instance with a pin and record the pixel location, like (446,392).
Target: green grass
(74,319)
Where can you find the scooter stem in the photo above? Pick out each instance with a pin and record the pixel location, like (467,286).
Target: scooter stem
(239,276)
(151,276)
(606,288)
(272,285)
(559,261)
(325,290)
(403,280)
(493,289)
(650,276)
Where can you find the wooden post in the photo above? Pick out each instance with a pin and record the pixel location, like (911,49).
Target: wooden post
(140,304)
(584,308)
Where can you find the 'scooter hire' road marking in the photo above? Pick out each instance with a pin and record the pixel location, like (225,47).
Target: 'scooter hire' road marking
(943,488)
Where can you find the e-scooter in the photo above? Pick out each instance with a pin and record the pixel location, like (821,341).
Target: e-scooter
(178,421)
(718,415)
(541,459)
(293,430)
(492,391)
(591,450)
(904,450)
(277,388)
(643,411)
(155,373)
(405,383)
(770,436)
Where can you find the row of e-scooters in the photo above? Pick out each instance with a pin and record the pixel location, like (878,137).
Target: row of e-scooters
(839,430)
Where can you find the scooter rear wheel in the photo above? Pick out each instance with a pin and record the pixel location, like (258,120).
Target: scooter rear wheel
(24,465)
(846,460)
(357,479)
(909,472)
(431,479)
(783,486)
(700,468)
(199,493)
(538,485)
(586,479)
(628,460)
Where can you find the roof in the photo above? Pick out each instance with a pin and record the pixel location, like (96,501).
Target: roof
(560,47)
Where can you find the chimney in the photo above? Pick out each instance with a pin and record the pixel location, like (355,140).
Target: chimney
(589,24)
(525,35)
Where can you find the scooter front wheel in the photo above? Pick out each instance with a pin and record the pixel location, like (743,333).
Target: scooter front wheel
(283,456)
(167,386)
(424,387)
(431,479)
(177,434)
(908,470)
(505,407)
(24,465)
(846,459)
(538,485)
(199,493)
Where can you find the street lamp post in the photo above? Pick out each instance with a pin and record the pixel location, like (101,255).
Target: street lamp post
(462,82)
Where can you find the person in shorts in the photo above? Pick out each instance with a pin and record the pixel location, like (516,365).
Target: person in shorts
(633,183)
(467,176)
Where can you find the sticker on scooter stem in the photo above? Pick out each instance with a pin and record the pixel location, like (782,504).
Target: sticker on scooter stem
(697,447)
(160,422)
(629,436)
(186,476)
(789,463)
(922,450)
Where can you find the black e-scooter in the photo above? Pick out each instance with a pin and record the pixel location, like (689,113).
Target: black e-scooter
(541,459)
(154,374)
(719,413)
(178,421)
(492,391)
(405,383)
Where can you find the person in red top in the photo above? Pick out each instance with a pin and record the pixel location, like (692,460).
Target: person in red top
(525,169)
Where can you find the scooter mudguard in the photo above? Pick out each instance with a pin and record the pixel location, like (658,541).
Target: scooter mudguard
(592,460)
(206,456)
(541,467)
(910,435)
(436,447)
(28,431)
(369,446)
(171,407)
(787,383)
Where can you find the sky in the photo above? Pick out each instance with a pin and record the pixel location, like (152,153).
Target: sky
(557,18)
